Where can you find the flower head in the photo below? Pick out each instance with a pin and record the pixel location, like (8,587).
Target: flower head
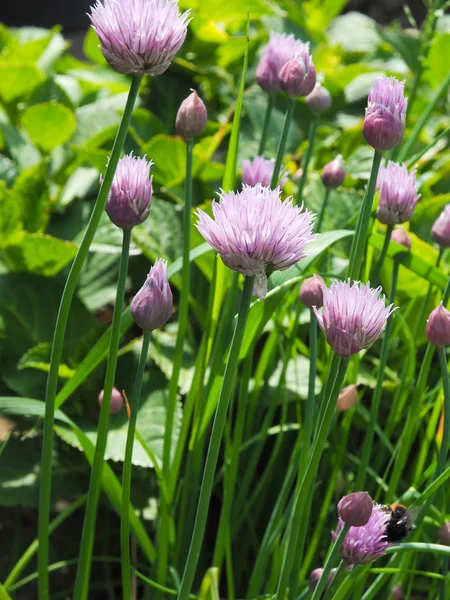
(280,49)
(256,233)
(398,193)
(355,509)
(364,544)
(353,316)
(298,76)
(116,401)
(191,117)
(438,326)
(440,231)
(152,305)
(311,291)
(259,170)
(130,196)
(384,123)
(139,36)
(401,237)
(319,100)
(333,173)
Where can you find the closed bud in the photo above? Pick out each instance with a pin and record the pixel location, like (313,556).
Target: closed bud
(347,397)
(298,76)
(311,291)
(440,231)
(116,401)
(401,237)
(191,117)
(152,305)
(398,592)
(319,100)
(438,326)
(333,173)
(315,576)
(443,533)
(355,509)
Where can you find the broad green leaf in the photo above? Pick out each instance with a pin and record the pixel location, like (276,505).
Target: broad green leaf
(169,154)
(80,183)
(438,58)
(10,224)
(39,254)
(406,44)
(162,351)
(97,122)
(91,47)
(49,124)
(38,358)
(30,193)
(17,81)
(296,380)
(18,144)
(355,32)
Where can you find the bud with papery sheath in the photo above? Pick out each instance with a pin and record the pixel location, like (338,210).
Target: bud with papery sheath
(311,291)
(401,237)
(315,576)
(298,76)
(347,397)
(333,173)
(130,196)
(191,117)
(116,401)
(355,509)
(440,231)
(398,593)
(443,533)
(384,123)
(438,326)
(280,49)
(152,305)
(319,100)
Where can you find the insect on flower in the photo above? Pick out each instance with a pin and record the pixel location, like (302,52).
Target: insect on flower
(400,523)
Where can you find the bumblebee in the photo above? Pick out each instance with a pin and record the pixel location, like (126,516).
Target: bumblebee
(400,522)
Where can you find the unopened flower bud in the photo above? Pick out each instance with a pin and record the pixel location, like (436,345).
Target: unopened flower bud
(116,401)
(443,533)
(298,76)
(384,123)
(438,326)
(130,196)
(319,100)
(311,291)
(355,509)
(440,231)
(191,117)
(333,173)
(398,193)
(401,237)
(152,305)
(397,592)
(347,397)
(280,49)
(315,576)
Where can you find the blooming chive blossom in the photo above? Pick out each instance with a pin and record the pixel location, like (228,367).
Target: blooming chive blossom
(139,36)
(152,305)
(384,123)
(398,194)
(256,233)
(280,49)
(259,170)
(364,544)
(130,196)
(441,228)
(298,76)
(353,316)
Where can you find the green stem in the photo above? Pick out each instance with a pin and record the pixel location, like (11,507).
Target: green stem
(309,477)
(282,144)
(265,130)
(377,270)
(323,209)
(127,468)
(214,444)
(331,560)
(58,342)
(445,442)
(307,157)
(87,538)
(360,237)
(376,400)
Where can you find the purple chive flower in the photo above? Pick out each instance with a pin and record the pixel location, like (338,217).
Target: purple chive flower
(139,36)
(364,544)
(116,401)
(333,173)
(401,237)
(152,305)
(298,76)
(384,123)
(319,100)
(259,170)
(130,196)
(353,316)
(398,194)
(438,326)
(256,233)
(440,231)
(280,49)
(191,117)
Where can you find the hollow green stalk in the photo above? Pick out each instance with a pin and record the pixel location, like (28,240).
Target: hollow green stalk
(360,237)
(331,561)
(379,265)
(214,444)
(323,209)
(311,471)
(282,144)
(127,468)
(307,157)
(265,129)
(81,590)
(376,399)
(58,342)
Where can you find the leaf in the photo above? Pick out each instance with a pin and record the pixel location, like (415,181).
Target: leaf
(91,47)
(49,124)
(209,589)
(10,224)
(30,193)
(354,32)
(82,181)
(19,144)
(406,45)
(38,358)
(17,81)
(40,254)
(169,154)
(96,123)
(296,380)
(438,58)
